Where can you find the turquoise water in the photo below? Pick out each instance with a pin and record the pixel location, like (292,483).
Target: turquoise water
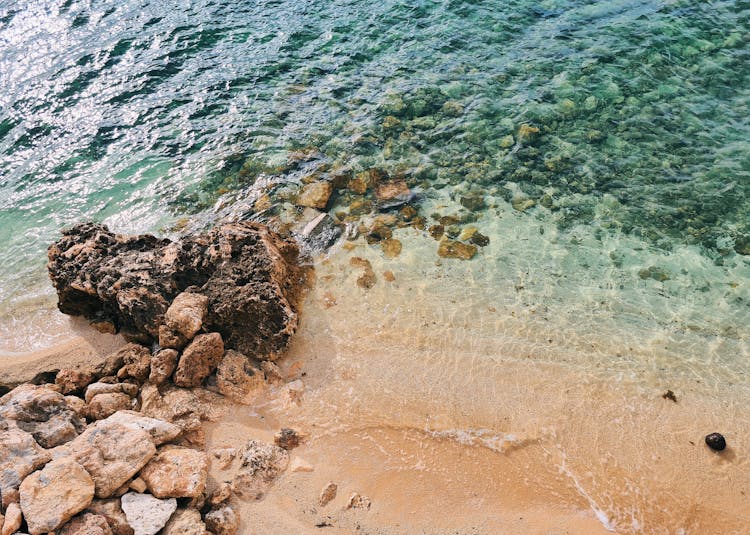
(621,126)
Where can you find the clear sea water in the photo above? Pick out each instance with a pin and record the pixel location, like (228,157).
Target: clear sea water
(609,142)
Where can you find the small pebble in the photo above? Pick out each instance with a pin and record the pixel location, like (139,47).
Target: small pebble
(716,441)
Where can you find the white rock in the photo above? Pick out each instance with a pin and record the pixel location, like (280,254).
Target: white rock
(300,465)
(146,514)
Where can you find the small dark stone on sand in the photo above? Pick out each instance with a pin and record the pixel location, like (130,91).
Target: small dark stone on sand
(716,441)
(669,395)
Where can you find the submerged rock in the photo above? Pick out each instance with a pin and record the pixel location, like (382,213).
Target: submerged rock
(248,274)
(456,249)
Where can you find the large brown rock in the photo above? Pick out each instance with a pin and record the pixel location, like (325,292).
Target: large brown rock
(42,412)
(175,405)
(53,495)
(137,362)
(104,405)
(163,364)
(198,360)
(110,509)
(222,521)
(13,519)
(87,524)
(248,273)
(176,472)
(187,313)
(238,379)
(19,456)
(111,452)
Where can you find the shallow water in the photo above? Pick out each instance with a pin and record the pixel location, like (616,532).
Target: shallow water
(602,147)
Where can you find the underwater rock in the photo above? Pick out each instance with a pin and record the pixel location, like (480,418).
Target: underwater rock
(315,194)
(716,441)
(248,273)
(391,247)
(473,201)
(654,272)
(367,280)
(316,231)
(456,249)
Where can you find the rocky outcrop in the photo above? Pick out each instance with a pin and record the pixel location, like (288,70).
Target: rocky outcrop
(146,514)
(247,274)
(53,495)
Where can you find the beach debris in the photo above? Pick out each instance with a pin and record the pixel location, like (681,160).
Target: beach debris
(287,438)
(146,514)
(238,379)
(246,271)
(42,412)
(328,493)
(670,396)
(224,456)
(87,524)
(716,441)
(199,359)
(13,519)
(358,501)
(222,521)
(53,495)
(261,464)
(185,522)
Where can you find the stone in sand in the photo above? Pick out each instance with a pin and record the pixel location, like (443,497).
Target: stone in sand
(199,359)
(358,501)
(185,522)
(238,379)
(19,456)
(87,524)
(146,514)
(176,472)
(327,494)
(42,412)
(53,495)
(222,521)
(716,441)
(287,438)
(187,313)
(261,464)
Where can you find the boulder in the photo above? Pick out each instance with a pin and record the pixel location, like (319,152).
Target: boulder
(19,456)
(186,314)
(159,430)
(163,364)
(104,405)
(112,511)
(13,519)
(42,412)
(185,522)
(94,389)
(53,495)
(248,273)
(176,472)
(111,452)
(87,524)
(199,359)
(73,381)
(261,464)
(175,405)
(222,521)
(146,514)
(238,379)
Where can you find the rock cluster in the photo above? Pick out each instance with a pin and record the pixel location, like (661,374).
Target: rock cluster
(239,279)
